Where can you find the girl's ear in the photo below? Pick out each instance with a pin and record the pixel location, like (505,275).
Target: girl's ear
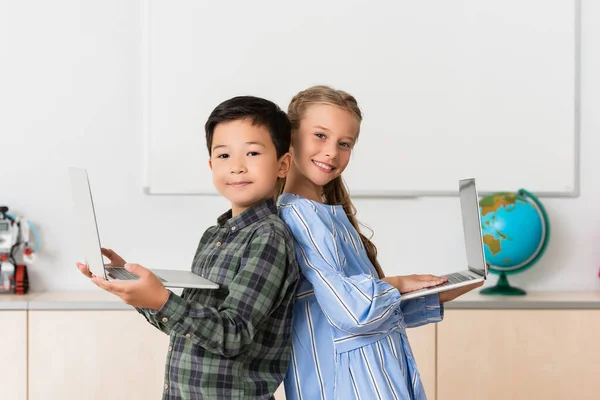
(210,164)
(285,163)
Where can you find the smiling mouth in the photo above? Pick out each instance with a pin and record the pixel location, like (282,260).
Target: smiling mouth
(239,184)
(323,167)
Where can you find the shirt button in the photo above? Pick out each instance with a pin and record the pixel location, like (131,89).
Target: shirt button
(165,319)
(233,228)
(219,244)
(187,335)
(166,386)
(170,348)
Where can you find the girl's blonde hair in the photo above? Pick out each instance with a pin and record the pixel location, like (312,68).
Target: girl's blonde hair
(335,192)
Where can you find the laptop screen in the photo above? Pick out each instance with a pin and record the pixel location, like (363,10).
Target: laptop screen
(469,204)
(86,219)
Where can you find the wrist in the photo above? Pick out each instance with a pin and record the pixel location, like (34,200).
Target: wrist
(399,283)
(442,298)
(395,281)
(161,300)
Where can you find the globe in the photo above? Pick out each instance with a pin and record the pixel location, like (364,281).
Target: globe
(515,233)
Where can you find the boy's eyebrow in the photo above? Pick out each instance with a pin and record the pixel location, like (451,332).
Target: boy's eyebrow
(224,145)
(258,143)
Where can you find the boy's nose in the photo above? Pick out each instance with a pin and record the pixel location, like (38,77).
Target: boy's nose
(239,169)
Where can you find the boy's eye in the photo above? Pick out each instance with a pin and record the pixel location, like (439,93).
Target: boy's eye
(346,145)
(320,135)
(223,156)
(253,153)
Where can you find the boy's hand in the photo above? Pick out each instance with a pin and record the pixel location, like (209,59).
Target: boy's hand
(146,292)
(115,259)
(450,295)
(85,270)
(410,283)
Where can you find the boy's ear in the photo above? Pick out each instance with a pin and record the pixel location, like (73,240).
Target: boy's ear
(210,164)
(285,162)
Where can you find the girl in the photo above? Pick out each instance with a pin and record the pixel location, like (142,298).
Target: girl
(349,335)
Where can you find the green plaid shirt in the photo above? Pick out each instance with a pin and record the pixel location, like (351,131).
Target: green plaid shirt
(233,342)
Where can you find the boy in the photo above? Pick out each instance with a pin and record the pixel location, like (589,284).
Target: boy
(233,342)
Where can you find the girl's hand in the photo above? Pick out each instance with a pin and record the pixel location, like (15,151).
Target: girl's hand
(410,283)
(450,295)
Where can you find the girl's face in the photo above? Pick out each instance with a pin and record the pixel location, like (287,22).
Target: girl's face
(322,146)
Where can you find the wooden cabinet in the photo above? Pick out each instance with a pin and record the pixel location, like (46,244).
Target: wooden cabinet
(94,355)
(542,346)
(518,354)
(422,342)
(13,359)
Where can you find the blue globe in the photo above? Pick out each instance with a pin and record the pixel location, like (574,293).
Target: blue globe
(515,231)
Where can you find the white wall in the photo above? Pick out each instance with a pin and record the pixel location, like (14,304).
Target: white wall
(70,95)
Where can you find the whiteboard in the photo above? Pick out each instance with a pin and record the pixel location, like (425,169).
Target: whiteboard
(449,88)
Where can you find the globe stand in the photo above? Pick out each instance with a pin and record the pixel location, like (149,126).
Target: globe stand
(503,288)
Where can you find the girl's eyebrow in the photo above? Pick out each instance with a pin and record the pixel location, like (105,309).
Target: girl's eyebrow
(322,128)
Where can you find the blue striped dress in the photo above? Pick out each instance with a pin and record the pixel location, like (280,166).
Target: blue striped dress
(349,334)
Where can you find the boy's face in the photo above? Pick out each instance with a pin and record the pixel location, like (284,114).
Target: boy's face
(244,163)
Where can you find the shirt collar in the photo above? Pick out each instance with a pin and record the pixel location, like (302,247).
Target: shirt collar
(249,216)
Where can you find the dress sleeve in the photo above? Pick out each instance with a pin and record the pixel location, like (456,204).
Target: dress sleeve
(352,303)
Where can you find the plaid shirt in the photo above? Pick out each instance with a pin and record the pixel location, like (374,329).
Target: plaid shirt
(233,342)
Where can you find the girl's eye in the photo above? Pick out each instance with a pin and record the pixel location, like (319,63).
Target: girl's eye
(253,153)
(320,135)
(223,156)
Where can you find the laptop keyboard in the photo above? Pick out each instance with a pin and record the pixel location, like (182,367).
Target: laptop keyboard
(123,274)
(456,277)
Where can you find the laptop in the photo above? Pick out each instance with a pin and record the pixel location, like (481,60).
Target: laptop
(90,237)
(477,268)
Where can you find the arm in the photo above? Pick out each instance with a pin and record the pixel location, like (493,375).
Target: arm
(422,310)
(355,304)
(149,314)
(117,260)
(229,329)
(427,309)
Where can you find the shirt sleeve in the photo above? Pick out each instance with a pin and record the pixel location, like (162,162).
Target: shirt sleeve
(151,318)
(354,304)
(230,328)
(422,310)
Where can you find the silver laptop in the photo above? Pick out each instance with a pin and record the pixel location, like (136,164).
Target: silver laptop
(90,239)
(477,270)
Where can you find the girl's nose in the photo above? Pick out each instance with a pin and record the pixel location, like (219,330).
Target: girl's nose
(331,152)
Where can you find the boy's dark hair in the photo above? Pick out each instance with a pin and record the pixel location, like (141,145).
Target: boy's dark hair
(260,112)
